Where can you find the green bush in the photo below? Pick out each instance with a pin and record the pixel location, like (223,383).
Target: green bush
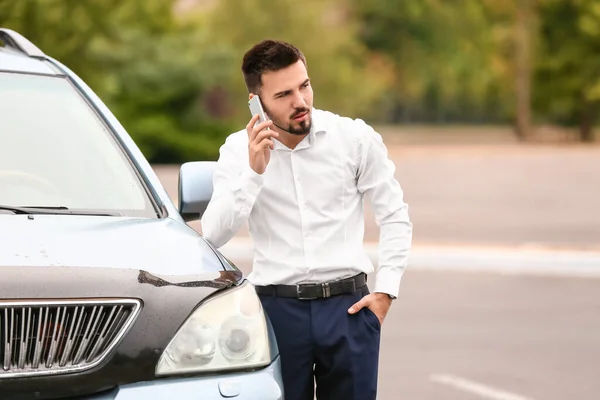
(163,142)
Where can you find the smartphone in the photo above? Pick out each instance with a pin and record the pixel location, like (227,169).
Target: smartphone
(257,108)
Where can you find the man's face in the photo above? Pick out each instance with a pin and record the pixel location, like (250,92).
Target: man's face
(287,98)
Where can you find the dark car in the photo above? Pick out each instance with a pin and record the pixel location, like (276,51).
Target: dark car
(105,291)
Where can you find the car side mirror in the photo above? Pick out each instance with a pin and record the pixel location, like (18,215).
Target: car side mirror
(195,188)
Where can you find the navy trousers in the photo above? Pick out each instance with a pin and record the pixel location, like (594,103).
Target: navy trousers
(319,342)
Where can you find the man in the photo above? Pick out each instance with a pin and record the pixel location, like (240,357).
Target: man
(298,180)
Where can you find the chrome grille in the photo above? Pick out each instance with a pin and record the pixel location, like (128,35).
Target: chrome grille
(54,337)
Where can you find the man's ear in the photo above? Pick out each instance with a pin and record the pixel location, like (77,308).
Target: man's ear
(250,96)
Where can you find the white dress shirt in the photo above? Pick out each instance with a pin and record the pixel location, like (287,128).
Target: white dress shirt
(305,213)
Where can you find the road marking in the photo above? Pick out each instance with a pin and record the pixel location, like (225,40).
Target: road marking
(479,389)
(516,260)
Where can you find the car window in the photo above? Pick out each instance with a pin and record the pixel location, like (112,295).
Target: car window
(55,151)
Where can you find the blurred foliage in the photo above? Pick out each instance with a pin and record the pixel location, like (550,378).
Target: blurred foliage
(568,73)
(445,59)
(172,75)
(345,78)
(154,72)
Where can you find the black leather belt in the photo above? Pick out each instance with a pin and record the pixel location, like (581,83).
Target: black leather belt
(310,291)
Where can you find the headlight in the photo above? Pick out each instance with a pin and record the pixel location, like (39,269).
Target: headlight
(229,331)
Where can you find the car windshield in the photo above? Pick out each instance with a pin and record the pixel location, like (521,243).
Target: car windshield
(56,152)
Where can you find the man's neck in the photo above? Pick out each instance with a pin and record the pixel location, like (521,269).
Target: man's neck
(288,139)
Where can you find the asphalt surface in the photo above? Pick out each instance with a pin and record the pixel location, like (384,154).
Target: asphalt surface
(479,335)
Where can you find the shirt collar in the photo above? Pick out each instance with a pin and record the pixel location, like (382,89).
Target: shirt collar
(318,126)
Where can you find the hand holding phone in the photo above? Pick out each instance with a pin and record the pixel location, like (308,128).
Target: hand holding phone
(256,108)
(260,137)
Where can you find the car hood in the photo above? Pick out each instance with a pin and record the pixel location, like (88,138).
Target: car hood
(163,263)
(159,246)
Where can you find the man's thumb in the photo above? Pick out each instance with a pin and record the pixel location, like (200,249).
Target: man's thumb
(356,306)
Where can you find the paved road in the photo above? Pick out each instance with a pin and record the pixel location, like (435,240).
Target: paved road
(508,195)
(468,335)
(535,337)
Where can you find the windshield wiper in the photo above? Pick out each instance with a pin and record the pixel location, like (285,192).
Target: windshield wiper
(58,210)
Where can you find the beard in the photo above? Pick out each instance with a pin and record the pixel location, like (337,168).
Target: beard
(289,125)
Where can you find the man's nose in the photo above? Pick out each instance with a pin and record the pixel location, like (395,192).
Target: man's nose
(299,101)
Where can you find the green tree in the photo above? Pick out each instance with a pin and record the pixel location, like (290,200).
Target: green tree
(155,72)
(64,29)
(513,26)
(567,76)
(162,84)
(346,78)
(445,58)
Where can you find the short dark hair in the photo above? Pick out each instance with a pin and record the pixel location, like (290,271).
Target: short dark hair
(268,56)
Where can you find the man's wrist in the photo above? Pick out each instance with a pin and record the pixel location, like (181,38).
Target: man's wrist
(389,296)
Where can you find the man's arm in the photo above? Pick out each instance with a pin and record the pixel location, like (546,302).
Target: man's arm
(376,180)
(237,183)
(235,189)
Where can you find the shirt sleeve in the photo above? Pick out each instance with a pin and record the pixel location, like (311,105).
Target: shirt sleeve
(235,189)
(376,180)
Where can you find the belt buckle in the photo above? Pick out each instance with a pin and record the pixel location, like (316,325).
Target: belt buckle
(299,295)
(325,291)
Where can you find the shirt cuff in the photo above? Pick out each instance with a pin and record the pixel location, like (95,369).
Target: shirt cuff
(388,282)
